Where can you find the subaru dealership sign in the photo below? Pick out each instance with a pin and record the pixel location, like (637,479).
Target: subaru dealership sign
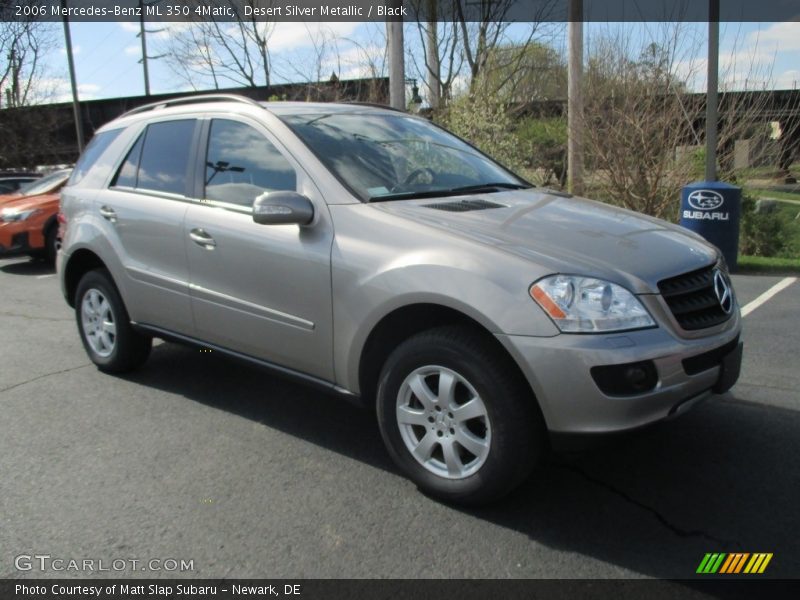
(711,208)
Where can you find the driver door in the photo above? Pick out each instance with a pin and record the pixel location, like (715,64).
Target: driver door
(260,290)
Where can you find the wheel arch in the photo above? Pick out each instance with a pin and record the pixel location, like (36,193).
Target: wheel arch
(80,262)
(406,321)
(52,221)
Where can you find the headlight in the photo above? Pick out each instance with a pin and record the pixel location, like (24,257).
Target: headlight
(10,215)
(586,305)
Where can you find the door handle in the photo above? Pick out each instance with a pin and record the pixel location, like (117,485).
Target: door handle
(201,238)
(109,214)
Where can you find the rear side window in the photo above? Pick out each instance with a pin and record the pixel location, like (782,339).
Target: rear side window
(126,176)
(164,157)
(241,164)
(91,153)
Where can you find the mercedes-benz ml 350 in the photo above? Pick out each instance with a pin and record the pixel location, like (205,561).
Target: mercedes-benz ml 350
(371,253)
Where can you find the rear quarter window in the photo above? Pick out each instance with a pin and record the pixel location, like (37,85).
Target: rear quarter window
(99,144)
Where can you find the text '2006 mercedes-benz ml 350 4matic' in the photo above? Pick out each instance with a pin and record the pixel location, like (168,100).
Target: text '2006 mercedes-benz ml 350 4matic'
(371,252)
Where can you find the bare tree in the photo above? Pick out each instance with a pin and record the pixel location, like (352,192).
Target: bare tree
(27,132)
(23,44)
(644,130)
(460,41)
(335,67)
(486,28)
(216,53)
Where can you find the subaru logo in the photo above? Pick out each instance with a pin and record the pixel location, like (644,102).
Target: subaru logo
(705,200)
(723,291)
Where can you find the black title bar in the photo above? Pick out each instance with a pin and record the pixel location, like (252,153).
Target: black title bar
(394,589)
(390,10)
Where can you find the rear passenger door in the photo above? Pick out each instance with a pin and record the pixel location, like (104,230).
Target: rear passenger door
(261,290)
(143,210)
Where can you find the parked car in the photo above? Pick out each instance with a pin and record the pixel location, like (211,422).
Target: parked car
(377,256)
(28,225)
(48,184)
(28,218)
(11,181)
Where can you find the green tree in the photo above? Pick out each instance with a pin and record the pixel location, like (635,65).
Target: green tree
(525,73)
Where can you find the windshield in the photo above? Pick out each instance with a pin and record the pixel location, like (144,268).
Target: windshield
(391,157)
(45,184)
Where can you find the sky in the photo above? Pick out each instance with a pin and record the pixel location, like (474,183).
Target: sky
(753,55)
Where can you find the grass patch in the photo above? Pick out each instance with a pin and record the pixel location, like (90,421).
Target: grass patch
(762,193)
(768,264)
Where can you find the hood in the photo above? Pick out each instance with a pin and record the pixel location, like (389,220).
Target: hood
(25,202)
(6,198)
(565,234)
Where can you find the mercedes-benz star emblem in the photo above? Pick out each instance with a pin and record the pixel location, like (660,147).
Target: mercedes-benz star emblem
(723,291)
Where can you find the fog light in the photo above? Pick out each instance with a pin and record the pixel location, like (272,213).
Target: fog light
(626,380)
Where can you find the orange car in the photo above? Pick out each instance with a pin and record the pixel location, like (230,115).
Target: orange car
(28,224)
(48,184)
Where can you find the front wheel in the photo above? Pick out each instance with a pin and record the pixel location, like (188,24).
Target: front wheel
(457,417)
(104,326)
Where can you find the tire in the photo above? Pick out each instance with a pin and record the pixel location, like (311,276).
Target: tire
(414,413)
(104,325)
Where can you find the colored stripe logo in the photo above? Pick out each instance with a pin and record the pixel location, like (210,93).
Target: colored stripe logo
(734,563)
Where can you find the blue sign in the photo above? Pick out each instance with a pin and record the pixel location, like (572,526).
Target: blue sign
(711,208)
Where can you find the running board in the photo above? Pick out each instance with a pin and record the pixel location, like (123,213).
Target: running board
(286,372)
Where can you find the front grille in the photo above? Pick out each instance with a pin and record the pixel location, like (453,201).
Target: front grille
(692,299)
(464,205)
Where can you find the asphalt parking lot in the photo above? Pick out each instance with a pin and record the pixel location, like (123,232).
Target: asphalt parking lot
(200,458)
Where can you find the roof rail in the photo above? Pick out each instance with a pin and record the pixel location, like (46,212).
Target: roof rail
(375,105)
(191,100)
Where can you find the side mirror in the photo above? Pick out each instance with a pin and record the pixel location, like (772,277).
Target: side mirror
(282,208)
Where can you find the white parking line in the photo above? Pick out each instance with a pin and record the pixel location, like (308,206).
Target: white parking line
(781,285)
(45,276)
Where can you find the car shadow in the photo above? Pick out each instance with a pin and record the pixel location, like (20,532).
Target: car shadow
(723,478)
(28,267)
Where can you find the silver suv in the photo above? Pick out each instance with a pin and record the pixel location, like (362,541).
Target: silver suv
(377,256)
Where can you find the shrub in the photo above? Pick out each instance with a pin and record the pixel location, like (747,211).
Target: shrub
(762,233)
(544,142)
(483,121)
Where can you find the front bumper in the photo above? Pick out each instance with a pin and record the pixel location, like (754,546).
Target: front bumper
(14,244)
(558,370)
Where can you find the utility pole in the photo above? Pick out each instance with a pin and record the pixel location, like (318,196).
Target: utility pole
(76,107)
(575,99)
(712,93)
(397,71)
(142,33)
(144,48)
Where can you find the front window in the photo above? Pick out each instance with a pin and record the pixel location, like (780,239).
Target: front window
(241,164)
(396,156)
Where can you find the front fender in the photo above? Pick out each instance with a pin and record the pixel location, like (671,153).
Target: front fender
(381,262)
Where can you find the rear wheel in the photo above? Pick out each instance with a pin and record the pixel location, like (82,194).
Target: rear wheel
(104,326)
(457,418)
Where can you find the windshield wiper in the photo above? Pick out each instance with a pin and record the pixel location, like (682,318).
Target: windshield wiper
(488,187)
(409,195)
(483,188)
